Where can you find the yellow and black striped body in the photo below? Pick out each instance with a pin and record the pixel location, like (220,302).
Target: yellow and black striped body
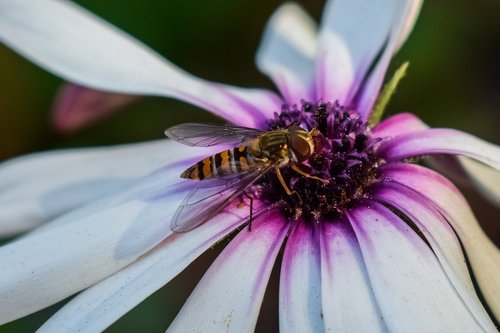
(277,147)
(227,162)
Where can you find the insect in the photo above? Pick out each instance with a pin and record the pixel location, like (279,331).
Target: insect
(225,176)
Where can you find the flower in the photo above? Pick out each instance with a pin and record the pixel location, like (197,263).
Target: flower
(377,248)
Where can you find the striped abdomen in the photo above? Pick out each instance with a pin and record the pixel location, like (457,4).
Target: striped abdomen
(226,162)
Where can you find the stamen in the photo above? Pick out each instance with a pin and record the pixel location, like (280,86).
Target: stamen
(344,158)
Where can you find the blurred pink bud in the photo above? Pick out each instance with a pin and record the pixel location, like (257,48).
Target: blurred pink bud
(76,106)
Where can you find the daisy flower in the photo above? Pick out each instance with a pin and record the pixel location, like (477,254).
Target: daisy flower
(382,244)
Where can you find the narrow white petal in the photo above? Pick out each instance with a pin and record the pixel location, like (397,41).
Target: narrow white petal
(346,288)
(411,289)
(80,47)
(403,30)
(486,179)
(483,255)
(38,187)
(287,52)
(352,34)
(99,306)
(87,245)
(441,141)
(228,297)
(441,238)
(403,18)
(300,308)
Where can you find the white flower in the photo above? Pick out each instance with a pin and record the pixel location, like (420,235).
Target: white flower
(390,261)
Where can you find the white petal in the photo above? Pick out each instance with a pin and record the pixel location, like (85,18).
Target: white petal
(99,306)
(403,31)
(441,238)
(38,187)
(287,52)
(441,141)
(404,16)
(411,289)
(300,308)
(80,47)
(485,178)
(352,33)
(228,297)
(84,246)
(346,289)
(483,255)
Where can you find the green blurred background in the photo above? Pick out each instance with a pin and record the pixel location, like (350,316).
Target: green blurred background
(453,81)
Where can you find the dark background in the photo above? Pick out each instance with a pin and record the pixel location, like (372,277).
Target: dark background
(453,81)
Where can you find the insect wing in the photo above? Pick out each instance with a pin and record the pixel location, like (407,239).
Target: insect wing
(211,196)
(206,135)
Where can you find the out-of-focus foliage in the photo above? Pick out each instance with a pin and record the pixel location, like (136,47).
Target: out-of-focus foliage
(453,81)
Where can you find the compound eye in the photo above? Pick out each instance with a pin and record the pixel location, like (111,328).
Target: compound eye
(301,148)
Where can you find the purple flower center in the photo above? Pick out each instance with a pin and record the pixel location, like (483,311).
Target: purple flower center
(344,155)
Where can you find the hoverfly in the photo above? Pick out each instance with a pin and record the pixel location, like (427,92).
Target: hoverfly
(225,176)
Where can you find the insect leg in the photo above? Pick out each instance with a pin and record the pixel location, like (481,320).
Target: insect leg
(282,181)
(251,211)
(251,214)
(305,174)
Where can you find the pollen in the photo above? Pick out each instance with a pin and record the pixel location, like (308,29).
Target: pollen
(344,156)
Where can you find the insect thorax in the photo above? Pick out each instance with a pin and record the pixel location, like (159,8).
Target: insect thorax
(272,145)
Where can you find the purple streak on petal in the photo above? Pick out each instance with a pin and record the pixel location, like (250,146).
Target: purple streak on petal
(244,107)
(405,123)
(399,171)
(399,124)
(77,106)
(441,141)
(300,307)
(483,255)
(441,238)
(405,199)
(460,169)
(229,295)
(256,114)
(411,289)
(346,290)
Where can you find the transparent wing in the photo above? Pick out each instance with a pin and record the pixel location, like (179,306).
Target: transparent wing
(205,135)
(211,196)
